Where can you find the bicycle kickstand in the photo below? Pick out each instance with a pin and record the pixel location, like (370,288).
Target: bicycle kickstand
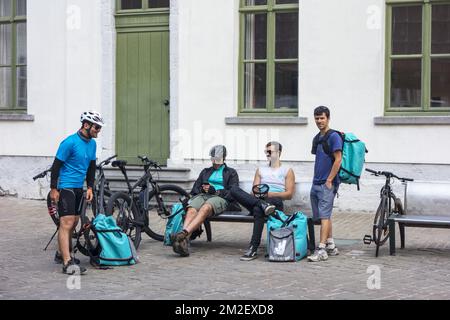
(57,229)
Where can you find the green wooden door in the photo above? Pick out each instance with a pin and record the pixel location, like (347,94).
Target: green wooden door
(142,104)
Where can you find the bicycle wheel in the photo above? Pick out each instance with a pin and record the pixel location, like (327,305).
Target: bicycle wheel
(127,216)
(380,227)
(52,210)
(87,239)
(159,209)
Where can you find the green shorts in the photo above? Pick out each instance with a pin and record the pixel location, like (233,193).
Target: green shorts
(219,204)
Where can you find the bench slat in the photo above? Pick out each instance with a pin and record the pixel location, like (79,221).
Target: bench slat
(432,220)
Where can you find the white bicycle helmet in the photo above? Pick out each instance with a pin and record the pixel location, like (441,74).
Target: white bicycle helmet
(92,117)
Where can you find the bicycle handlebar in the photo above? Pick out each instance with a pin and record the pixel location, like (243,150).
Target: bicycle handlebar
(106,162)
(42,174)
(387,175)
(149,162)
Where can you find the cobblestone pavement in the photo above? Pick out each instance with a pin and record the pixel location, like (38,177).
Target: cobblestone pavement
(213,271)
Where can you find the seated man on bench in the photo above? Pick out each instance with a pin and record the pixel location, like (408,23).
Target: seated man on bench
(281,182)
(211,195)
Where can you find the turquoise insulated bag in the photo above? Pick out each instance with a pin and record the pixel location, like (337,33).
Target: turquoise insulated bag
(282,226)
(174,223)
(117,249)
(353,155)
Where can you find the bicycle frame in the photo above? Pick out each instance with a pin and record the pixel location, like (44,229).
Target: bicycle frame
(145,182)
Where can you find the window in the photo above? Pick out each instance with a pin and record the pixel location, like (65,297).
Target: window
(13,56)
(268,78)
(142,4)
(418,57)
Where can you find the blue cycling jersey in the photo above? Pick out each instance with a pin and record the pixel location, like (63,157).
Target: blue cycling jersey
(76,153)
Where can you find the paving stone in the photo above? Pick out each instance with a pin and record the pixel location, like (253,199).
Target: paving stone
(214,271)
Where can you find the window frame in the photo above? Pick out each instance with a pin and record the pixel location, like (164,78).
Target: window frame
(271,8)
(144,8)
(426,56)
(14,20)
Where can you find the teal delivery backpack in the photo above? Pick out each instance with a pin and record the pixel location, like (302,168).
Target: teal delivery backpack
(287,237)
(174,223)
(117,249)
(353,155)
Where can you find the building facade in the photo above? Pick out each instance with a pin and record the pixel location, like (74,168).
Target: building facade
(172,78)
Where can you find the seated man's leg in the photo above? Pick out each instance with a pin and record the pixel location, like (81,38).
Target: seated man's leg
(249,201)
(180,239)
(193,207)
(190,215)
(244,198)
(213,205)
(277,202)
(205,211)
(210,205)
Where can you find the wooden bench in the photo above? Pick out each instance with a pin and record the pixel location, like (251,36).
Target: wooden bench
(426,205)
(300,202)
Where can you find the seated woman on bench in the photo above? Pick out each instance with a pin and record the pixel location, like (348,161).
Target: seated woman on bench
(281,182)
(211,195)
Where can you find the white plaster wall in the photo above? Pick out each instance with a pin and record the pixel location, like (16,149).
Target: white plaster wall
(71,68)
(341,66)
(64,75)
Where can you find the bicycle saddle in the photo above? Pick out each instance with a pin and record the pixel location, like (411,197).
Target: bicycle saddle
(119,163)
(260,190)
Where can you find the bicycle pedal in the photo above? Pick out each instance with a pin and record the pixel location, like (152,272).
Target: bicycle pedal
(367,239)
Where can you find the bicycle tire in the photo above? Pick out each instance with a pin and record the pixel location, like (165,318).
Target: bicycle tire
(155,224)
(52,210)
(380,227)
(127,216)
(88,243)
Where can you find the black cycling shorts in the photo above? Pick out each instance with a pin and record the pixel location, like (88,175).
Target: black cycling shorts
(70,202)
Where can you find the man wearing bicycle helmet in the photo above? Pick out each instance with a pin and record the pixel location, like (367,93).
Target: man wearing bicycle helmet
(281,182)
(74,163)
(211,196)
(326,181)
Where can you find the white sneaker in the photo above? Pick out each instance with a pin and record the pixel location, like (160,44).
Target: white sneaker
(332,250)
(319,255)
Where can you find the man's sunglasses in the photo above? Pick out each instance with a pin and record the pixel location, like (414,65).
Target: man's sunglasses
(97,127)
(269,152)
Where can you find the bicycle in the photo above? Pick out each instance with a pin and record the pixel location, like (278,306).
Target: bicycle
(87,213)
(146,209)
(389,204)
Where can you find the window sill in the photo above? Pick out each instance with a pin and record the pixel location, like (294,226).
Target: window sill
(16,117)
(411,120)
(266,120)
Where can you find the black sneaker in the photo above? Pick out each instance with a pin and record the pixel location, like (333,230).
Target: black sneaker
(251,254)
(267,208)
(59,259)
(71,268)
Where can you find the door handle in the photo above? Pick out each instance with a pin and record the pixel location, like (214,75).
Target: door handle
(166,103)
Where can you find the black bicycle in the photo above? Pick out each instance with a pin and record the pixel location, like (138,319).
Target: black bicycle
(146,205)
(389,204)
(85,238)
